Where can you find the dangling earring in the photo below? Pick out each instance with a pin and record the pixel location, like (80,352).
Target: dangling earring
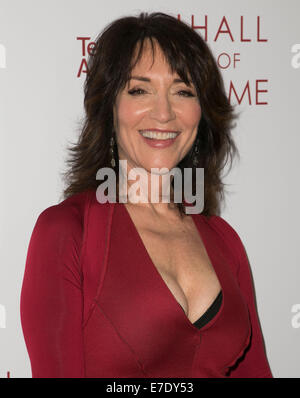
(112,162)
(196,153)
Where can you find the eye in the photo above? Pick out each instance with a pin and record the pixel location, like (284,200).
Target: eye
(139,91)
(186,93)
(135,91)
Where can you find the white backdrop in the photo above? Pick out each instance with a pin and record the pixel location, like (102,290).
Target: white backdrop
(41,105)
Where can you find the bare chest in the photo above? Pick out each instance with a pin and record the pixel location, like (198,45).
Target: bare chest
(181,259)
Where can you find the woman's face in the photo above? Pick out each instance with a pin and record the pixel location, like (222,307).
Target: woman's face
(157,101)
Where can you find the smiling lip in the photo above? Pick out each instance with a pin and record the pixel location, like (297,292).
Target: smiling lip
(161,130)
(159,144)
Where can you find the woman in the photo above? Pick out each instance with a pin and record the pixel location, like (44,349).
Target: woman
(144,289)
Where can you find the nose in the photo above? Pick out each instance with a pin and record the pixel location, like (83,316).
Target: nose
(162,109)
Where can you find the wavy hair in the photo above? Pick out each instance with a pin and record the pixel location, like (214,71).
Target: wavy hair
(109,70)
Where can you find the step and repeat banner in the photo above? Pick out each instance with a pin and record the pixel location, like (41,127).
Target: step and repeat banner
(44,48)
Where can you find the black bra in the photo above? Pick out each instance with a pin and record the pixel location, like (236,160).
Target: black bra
(210,312)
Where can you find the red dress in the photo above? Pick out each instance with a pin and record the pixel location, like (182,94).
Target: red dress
(94,305)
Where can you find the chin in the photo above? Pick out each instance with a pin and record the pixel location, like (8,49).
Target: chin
(160,164)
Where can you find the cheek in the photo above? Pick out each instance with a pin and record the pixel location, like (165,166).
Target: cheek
(128,113)
(192,114)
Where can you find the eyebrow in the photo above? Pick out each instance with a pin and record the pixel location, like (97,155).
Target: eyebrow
(146,79)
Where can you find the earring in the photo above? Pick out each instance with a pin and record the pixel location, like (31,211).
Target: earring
(196,153)
(112,162)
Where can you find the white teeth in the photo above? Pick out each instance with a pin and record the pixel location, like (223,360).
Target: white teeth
(157,135)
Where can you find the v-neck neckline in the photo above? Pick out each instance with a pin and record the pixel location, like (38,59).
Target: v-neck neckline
(161,280)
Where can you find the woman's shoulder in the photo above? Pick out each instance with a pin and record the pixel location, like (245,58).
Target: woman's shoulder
(66,216)
(223,226)
(56,241)
(227,232)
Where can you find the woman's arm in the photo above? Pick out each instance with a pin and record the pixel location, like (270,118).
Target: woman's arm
(254,363)
(51,302)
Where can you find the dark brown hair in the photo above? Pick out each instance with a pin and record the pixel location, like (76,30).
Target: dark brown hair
(109,70)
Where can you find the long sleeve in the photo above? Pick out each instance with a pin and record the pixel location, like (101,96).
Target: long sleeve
(51,302)
(254,363)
